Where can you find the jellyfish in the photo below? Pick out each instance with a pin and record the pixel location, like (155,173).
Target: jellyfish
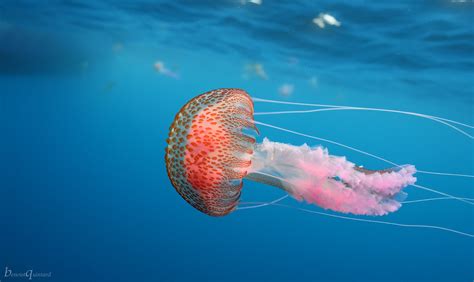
(286,89)
(256,69)
(324,19)
(212,149)
(162,69)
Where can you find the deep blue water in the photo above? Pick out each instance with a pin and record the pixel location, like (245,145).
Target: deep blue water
(84,117)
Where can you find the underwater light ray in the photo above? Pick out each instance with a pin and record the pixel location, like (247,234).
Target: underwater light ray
(360,151)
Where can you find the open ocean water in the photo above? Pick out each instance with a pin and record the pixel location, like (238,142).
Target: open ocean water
(88,90)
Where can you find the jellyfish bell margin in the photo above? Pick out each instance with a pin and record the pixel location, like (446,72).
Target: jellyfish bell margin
(211,150)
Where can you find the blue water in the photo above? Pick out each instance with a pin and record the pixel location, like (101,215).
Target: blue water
(84,117)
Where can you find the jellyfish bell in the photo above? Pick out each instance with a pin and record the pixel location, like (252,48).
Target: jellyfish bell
(208,153)
(211,150)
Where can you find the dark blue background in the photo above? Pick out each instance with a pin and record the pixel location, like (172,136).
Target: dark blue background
(84,117)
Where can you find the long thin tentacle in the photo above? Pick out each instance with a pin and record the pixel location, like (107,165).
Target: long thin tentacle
(373,221)
(433,118)
(255,99)
(263,204)
(433,199)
